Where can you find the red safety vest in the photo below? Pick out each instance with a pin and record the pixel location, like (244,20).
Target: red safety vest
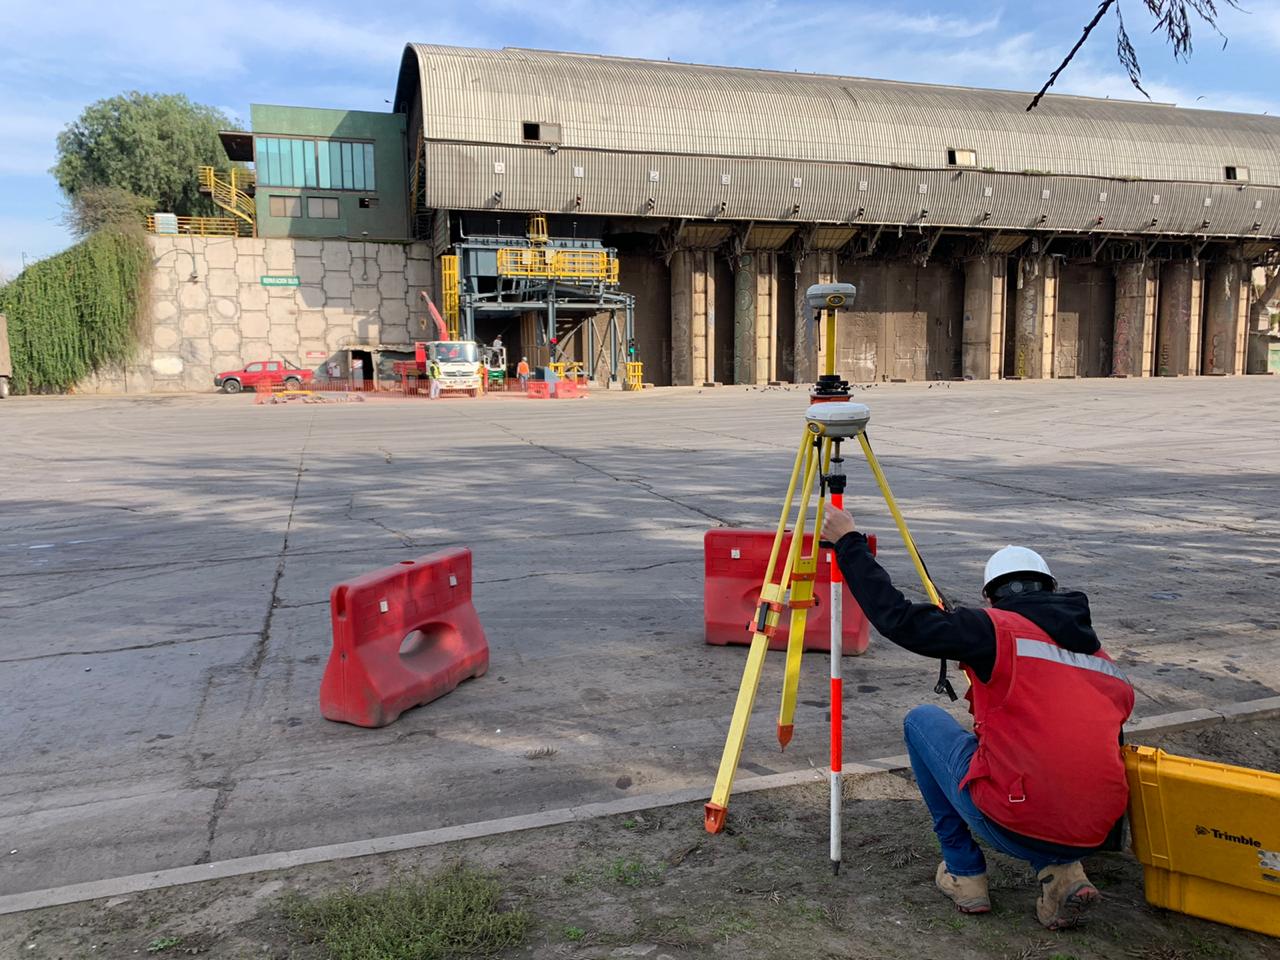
(1048,763)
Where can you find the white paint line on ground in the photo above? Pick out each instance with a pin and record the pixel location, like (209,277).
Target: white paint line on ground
(240,866)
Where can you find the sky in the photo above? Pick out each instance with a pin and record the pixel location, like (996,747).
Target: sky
(61,55)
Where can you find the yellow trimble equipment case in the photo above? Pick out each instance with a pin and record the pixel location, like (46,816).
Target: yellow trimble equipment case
(1208,837)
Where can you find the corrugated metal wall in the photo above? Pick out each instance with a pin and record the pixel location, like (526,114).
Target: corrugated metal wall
(628,105)
(465,176)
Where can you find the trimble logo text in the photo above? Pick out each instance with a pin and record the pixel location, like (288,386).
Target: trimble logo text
(1217,834)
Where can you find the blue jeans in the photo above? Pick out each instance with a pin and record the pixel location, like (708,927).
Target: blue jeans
(940,750)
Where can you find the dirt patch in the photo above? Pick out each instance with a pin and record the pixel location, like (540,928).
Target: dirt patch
(655,885)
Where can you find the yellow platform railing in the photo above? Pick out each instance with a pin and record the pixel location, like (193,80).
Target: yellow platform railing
(201,226)
(540,262)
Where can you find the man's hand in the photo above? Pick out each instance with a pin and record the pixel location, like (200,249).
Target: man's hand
(835,524)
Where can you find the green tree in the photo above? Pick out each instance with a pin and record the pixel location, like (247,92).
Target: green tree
(146,144)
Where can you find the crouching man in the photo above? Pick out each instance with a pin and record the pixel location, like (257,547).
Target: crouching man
(1041,776)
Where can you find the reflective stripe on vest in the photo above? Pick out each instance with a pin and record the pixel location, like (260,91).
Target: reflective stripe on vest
(1040,650)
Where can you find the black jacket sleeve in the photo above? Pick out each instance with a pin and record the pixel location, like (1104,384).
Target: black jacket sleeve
(963,634)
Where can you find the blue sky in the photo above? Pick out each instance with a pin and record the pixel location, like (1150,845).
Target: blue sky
(60,55)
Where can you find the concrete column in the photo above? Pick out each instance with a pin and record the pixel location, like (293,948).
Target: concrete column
(704,316)
(1035,315)
(983,330)
(1197,318)
(1135,305)
(1222,317)
(766,316)
(681,319)
(818,266)
(1173,340)
(1150,304)
(1242,323)
(744,318)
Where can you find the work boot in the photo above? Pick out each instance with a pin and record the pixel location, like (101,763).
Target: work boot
(968,893)
(1065,895)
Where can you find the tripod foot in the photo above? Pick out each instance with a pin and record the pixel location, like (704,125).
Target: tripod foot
(785,730)
(714,815)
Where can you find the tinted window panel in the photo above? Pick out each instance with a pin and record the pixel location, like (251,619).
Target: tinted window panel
(348,171)
(309,161)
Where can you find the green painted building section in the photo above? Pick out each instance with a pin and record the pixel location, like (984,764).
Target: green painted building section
(330,173)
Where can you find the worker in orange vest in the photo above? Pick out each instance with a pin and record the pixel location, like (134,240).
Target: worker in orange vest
(522,371)
(1041,776)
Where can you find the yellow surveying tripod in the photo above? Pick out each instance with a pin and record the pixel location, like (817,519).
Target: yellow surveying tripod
(830,419)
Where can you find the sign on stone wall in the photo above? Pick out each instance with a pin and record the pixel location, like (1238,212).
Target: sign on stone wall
(280,281)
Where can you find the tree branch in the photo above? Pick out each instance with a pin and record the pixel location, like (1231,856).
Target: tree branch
(1103,7)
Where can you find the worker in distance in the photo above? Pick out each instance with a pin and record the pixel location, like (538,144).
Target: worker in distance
(1041,777)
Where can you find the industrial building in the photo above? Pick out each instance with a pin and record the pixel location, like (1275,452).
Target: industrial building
(595,209)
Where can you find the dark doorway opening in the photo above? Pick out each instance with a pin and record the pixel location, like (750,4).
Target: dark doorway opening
(362,369)
(489,329)
(786,334)
(1012,278)
(724,321)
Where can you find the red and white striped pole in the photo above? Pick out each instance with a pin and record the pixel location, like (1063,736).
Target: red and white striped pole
(835,483)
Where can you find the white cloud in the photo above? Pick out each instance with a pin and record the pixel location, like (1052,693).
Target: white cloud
(95,41)
(1116,86)
(957,28)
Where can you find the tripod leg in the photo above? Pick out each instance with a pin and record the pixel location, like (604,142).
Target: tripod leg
(892,504)
(766,622)
(803,574)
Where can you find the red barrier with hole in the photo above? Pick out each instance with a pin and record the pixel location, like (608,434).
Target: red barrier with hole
(734,562)
(539,390)
(567,389)
(402,636)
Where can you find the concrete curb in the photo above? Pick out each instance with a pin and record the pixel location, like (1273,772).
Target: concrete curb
(240,866)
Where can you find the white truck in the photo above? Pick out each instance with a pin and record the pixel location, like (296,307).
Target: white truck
(459,364)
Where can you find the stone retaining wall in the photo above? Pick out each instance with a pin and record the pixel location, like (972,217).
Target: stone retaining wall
(210,311)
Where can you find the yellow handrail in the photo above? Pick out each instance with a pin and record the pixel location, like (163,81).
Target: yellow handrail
(537,232)
(230,194)
(635,376)
(202,226)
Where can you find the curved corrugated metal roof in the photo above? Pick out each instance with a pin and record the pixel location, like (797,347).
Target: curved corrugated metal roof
(626,105)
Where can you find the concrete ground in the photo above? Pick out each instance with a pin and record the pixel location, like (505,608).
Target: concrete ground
(165,565)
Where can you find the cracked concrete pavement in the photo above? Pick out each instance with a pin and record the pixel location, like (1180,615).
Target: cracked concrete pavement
(165,565)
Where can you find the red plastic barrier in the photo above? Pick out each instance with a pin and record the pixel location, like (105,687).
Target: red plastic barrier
(734,569)
(539,390)
(402,636)
(567,390)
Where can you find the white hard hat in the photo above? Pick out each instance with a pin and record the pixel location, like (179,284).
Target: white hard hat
(1013,559)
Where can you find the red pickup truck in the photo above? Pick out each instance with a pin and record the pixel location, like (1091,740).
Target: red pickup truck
(280,373)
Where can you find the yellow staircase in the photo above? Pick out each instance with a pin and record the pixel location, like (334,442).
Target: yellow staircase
(449,276)
(233,192)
